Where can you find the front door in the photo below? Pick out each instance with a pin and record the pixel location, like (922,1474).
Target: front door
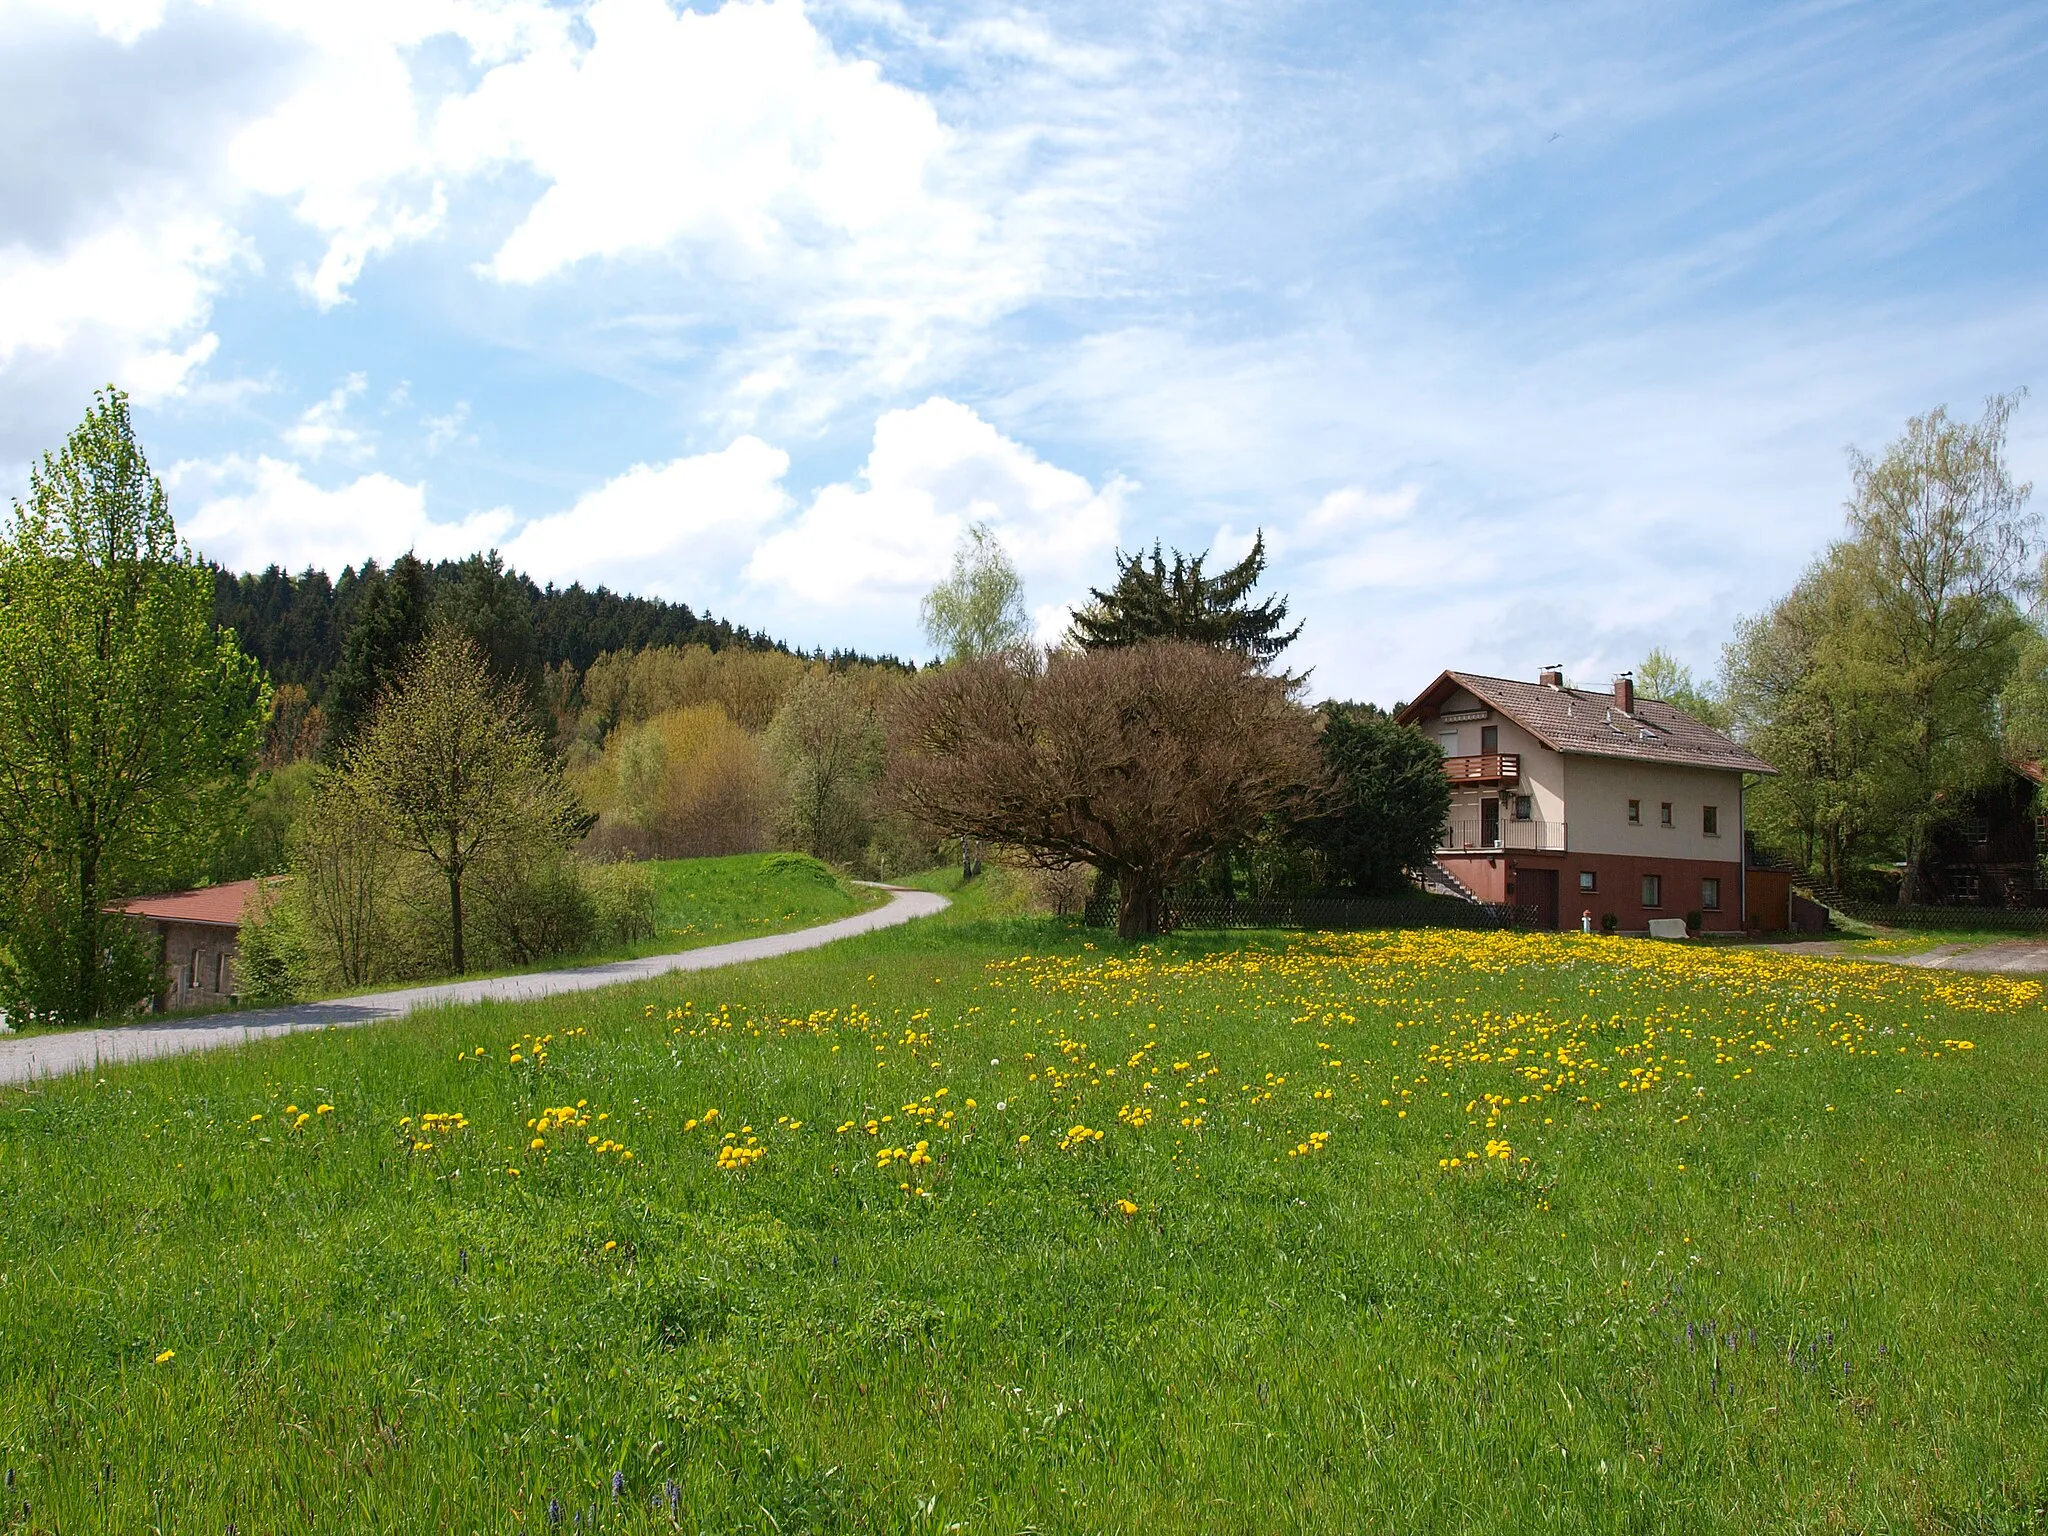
(1536,889)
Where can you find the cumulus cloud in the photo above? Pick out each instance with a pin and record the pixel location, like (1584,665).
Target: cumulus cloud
(254,513)
(325,428)
(670,529)
(887,536)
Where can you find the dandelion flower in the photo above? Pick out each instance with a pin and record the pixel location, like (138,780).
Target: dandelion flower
(167,1357)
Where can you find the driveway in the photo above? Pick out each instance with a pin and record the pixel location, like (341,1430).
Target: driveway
(2009,956)
(81,1050)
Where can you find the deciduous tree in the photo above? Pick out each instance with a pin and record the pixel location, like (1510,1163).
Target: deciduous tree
(1139,760)
(452,768)
(828,740)
(979,609)
(128,723)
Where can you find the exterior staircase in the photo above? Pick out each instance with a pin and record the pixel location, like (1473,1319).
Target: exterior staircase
(1439,881)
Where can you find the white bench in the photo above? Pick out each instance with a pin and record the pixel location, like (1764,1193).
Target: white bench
(1667,927)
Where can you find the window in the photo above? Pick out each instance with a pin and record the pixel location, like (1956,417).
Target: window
(1525,807)
(191,977)
(1664,815)
(1710,895)
(1635,813)
(1963,885)
(1489,740)
(1588,882)
(1980,829)
(1489,823)
(1710,820)
(1653,890)
(1448,740)
(220,971)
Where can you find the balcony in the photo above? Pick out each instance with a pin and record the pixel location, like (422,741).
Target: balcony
(1472,829)
(1486,768)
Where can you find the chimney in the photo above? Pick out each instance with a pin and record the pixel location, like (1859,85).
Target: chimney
(1550,677)
(1625,693)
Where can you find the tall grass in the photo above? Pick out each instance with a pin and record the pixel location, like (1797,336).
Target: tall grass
(1738,1241)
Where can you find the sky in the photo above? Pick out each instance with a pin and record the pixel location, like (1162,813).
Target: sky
(1526,334)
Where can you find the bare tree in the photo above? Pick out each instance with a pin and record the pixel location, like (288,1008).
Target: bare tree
(1139,761)
(455,772)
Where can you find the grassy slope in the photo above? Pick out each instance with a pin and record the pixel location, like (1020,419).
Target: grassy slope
(1798,1287)
(711,901)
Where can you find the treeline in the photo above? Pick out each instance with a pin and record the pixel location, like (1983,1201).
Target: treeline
(329,646)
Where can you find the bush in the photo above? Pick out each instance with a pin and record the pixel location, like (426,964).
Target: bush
(529,910)
(274,962)
(623,899)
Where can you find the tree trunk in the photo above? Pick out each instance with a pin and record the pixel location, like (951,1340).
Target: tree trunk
(86,991)
(455,917)
(1137,913)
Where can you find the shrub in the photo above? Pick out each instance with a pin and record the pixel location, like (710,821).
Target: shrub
(623,901)
(528,909)
(274,962)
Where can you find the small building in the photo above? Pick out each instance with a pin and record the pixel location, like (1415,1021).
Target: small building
(198,934)
(1988,855)
(1571,802)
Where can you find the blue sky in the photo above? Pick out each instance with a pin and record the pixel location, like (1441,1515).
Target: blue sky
(1528,334)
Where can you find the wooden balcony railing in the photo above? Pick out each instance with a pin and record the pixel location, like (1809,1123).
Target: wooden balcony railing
(1486,768)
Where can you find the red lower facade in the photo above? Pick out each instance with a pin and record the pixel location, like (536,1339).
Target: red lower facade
(1552,884)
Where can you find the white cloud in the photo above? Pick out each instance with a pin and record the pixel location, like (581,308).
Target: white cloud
(325,428)
(886,537)
(669,529)
(134,300)
(254,513)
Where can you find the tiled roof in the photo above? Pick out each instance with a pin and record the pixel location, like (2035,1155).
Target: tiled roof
(1574,720)
(218,906)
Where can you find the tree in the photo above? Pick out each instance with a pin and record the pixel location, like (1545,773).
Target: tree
(1804,695)
(1157,602)
(1940,547)
(385,617)
(979,609)
(451,767)
(828,740)
(1390,798)
(1664,676)
(1140,761)
(128,723)
(1876,685)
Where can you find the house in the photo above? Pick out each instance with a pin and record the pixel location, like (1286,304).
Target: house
(1572,802)
(1988,855)
(197,934)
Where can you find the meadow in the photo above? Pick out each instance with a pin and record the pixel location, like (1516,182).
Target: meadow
(989,1224)
(742,896)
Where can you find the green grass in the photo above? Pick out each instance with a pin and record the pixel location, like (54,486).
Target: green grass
(1764,1250)
(713,901)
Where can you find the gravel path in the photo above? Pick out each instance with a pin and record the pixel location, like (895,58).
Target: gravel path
(80,1050)
(2010,956)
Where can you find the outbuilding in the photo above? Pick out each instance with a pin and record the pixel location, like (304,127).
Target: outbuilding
(198,936)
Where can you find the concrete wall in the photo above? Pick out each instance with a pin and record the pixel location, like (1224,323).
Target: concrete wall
(1597,792)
